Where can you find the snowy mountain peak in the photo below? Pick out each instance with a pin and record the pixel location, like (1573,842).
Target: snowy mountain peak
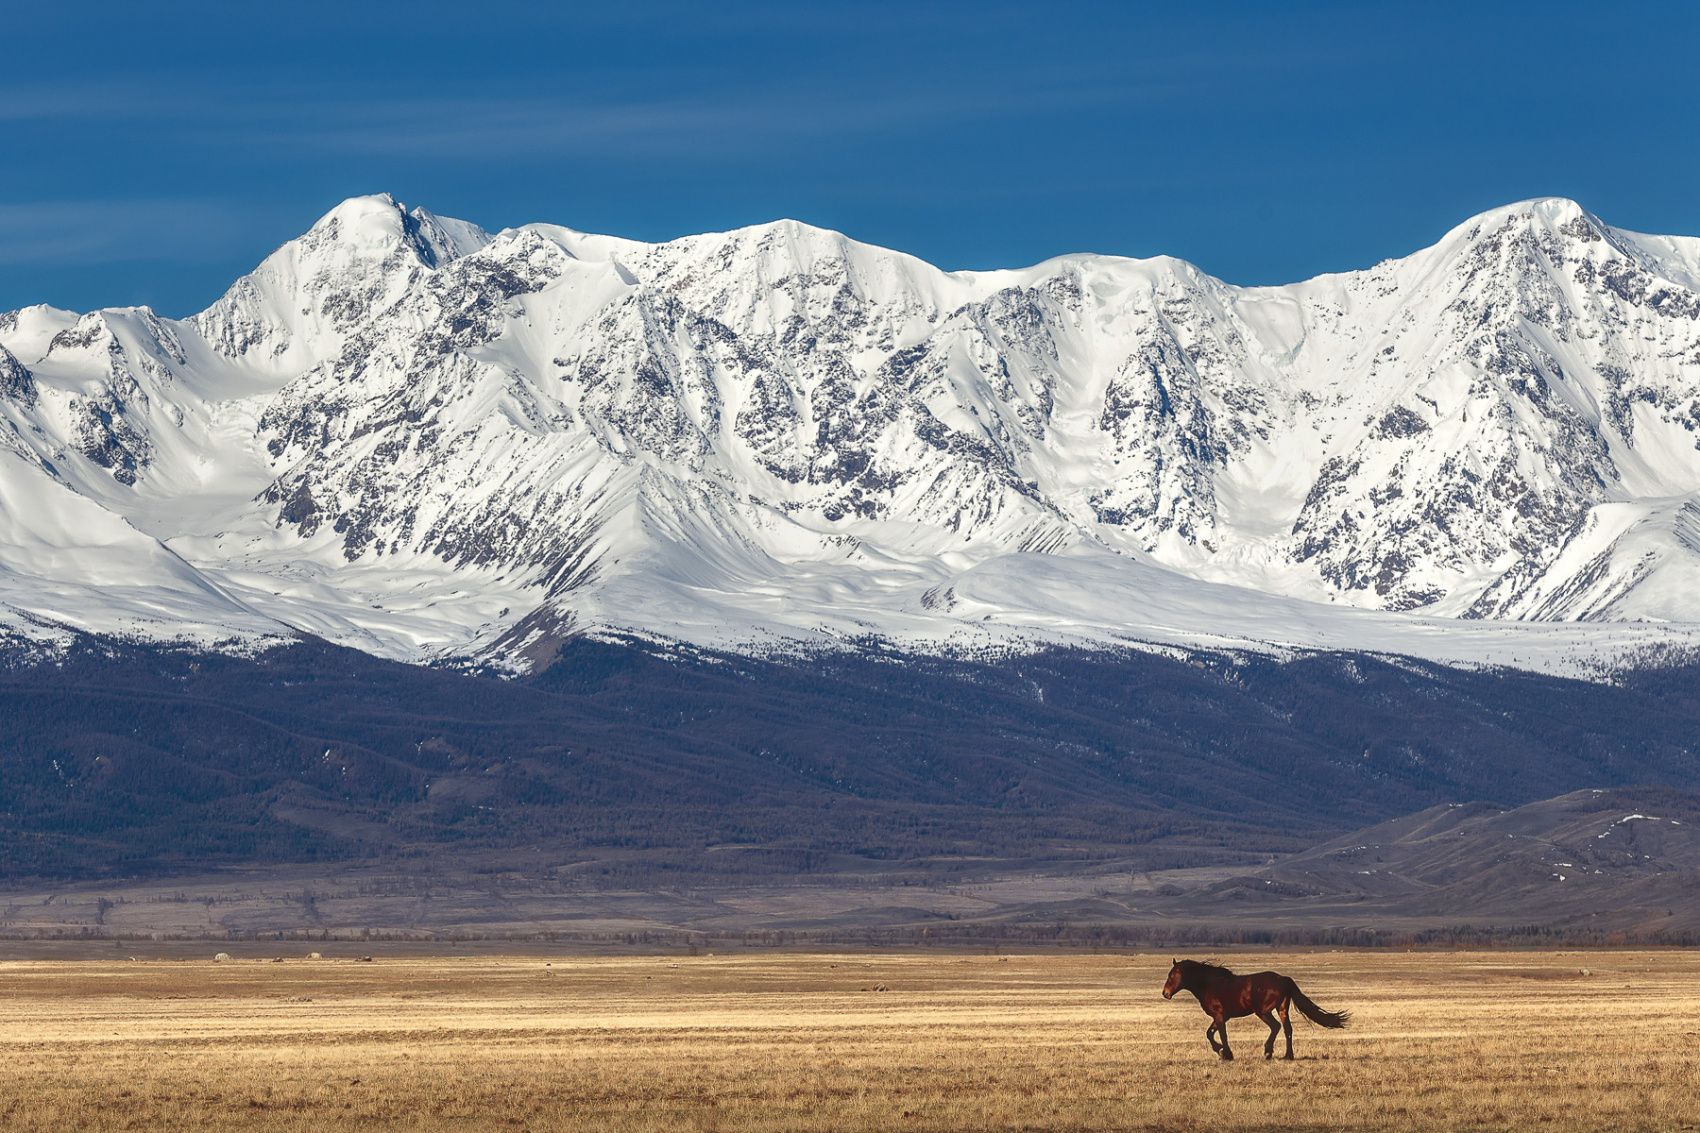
(1552,223)
(306,298)
(377,219)
(1553,212)
(376,225)
(406,434)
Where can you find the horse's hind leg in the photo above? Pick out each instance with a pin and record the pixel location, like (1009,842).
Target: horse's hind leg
(1287,1026)
(1274,1026)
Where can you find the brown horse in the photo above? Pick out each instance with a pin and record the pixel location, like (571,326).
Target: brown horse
(1225,996)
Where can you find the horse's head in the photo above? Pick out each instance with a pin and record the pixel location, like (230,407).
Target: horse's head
(1173,983)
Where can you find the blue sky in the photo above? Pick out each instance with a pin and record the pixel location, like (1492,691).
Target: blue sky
(151,153)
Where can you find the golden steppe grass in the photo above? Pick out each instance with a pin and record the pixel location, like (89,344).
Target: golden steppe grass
(786,1042)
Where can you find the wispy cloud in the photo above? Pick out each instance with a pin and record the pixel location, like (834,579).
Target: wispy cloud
(719,119)
(112,101)
(116,231)
(676,127)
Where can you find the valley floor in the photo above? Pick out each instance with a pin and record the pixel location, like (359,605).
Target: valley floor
(746,1042)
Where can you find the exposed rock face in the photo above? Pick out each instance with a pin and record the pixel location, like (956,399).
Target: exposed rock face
(16,383)
(768,426)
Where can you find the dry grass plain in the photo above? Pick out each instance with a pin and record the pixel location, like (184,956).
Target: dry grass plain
(786,1042)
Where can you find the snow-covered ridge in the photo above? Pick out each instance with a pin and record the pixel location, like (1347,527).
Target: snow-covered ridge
(409,435)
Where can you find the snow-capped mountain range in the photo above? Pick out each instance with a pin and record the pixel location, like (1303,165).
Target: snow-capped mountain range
(408,435)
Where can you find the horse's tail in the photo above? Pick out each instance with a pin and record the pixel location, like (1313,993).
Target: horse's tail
(1307,1008)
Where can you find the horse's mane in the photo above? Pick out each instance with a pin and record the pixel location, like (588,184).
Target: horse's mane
(1207,967)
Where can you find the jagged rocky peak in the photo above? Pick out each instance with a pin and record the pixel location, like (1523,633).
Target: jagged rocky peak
(1538,217)
(308,297)
(372,228)
(29,331)
(806,288)
(1560,214)
(1557,238)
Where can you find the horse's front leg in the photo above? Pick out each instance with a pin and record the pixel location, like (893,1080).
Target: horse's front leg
(1210,1036)
(1222,1029)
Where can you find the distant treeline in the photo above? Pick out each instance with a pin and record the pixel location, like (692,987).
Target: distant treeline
(1086,937)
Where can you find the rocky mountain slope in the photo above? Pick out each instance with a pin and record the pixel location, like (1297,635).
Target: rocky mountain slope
(678,763)
(404,434)
(1596,859)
